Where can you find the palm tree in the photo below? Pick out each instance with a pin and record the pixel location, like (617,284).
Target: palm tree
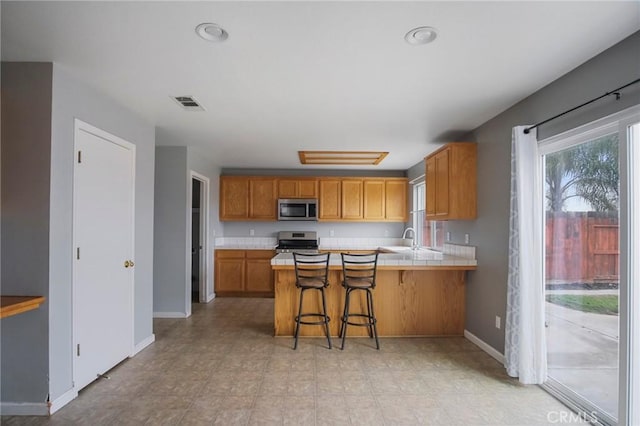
(588,171)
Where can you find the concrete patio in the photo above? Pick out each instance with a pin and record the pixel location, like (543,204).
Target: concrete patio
(583,351)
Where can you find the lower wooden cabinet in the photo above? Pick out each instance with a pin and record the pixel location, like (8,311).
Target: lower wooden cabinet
(230,276)
(245,273)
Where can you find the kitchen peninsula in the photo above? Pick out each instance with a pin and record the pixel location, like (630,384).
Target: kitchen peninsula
(416,295)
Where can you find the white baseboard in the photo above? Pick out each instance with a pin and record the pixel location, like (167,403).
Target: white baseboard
(169,315)
(62,400)
(146,342)
(24,408)
(484,346)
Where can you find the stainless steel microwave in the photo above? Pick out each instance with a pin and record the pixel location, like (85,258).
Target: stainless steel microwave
(297,209)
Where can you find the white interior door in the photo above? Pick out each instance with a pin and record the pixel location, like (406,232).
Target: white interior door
(103,252)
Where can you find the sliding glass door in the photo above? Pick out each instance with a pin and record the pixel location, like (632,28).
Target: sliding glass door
(582,271)
(589,267)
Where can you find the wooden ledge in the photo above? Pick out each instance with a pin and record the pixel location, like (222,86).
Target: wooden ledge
(13,305)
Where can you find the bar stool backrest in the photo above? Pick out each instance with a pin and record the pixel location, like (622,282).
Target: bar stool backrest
(311,269)
(359,269)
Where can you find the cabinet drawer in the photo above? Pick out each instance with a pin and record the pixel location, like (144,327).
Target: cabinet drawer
(230,254)
(260,254)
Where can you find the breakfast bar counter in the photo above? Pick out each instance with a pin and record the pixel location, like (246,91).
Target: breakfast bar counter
(416,295)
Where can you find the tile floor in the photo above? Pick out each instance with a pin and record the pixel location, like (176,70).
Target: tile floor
(222,366)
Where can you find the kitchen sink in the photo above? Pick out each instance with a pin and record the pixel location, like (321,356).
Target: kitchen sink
(422,252)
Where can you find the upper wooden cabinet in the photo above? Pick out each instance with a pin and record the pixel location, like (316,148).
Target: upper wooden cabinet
(374,199)
(366,199)
(451,182)
(339,198)
(247,198)
(234,198)
(330,202)
(352,199)
(395,200)
(298,188)
(262,198)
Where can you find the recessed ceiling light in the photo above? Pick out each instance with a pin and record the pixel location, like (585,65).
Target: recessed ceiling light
(211,32)
(421,35)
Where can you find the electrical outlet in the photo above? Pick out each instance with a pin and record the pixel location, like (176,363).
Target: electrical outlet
(331,233)
(386,232)
(466,238)
(498,320)
(252,232)
(448,236)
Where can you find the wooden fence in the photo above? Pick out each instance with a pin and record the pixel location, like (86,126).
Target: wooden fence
(582,247)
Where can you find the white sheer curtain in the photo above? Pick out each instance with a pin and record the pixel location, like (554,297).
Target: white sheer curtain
(525,344)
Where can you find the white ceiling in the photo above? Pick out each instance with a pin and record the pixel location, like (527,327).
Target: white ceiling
(315,75)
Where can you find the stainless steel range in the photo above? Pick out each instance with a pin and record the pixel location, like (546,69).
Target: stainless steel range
(298,241)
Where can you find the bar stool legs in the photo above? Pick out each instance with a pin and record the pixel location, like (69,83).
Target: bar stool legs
(369,317)
(324,318)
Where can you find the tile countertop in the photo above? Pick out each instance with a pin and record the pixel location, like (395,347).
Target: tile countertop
(249,243)
(452,254)
(390,259)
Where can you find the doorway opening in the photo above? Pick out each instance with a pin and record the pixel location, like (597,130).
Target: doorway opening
(198,289)
(196,244)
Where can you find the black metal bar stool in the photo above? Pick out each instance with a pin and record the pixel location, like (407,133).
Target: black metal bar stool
(359,273)
(312,271)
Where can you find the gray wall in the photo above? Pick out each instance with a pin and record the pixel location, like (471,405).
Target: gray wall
(487,287)
(170,244)
(172,195)
(73,99)
(26,159)
(416,170)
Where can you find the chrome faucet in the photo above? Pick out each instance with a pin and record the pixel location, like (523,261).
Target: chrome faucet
(414,246)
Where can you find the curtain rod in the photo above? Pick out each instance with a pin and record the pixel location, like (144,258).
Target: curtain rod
(615,92)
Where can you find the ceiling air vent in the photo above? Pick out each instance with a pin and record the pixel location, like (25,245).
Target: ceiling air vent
(189,103)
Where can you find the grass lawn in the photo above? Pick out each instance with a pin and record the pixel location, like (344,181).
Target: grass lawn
(602,304)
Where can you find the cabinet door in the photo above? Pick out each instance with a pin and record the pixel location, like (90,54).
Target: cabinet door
(230,274)
(442,183)
(374,199)
(462,181)
(234,198)
(262,197)
(329,199)
(430,187)
(308,188)
(259,276)
(288,188)
(396,208)
(352,191)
